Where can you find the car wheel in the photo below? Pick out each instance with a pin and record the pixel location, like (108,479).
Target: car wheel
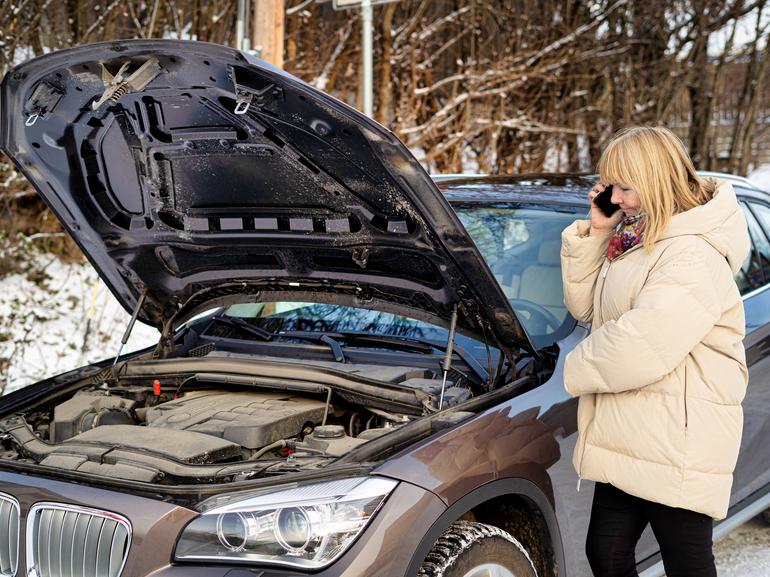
(469,549)
(766,515)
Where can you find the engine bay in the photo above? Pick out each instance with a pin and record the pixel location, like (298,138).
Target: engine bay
(160,422)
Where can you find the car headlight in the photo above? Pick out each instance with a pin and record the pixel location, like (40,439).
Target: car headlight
(306,526)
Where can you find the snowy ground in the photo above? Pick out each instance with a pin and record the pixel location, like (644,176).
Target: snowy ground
(746,551)
(44,314)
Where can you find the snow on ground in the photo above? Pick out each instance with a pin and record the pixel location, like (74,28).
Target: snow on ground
(44,313)
(746,551)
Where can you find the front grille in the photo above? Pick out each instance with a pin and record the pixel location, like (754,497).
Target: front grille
(70,541)
(9,535)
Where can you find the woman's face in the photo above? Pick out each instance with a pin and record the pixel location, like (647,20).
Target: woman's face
(627,198)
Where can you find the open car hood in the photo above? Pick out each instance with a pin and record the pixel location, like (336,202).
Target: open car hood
(192,175)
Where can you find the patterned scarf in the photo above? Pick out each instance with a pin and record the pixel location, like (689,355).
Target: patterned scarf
(628,233)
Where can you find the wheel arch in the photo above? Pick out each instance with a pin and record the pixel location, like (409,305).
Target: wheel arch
(517,492)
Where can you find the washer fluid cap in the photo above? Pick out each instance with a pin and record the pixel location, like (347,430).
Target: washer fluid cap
(329,432)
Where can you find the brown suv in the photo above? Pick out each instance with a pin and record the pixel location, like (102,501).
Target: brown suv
(359,372)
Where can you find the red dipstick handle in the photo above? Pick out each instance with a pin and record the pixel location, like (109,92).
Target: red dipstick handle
(156,388)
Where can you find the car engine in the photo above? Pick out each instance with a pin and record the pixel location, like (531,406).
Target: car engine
(207,433)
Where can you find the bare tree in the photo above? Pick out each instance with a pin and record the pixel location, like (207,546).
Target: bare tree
(753,91)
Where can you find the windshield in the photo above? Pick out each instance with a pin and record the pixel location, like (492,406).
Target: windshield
(521,244)
(278,317)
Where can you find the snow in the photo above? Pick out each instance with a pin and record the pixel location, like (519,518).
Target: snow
(185,33)
(44,311)
(556,157)
(745,552)
(761,177)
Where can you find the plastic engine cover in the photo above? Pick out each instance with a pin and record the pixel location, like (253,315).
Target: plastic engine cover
(253,420)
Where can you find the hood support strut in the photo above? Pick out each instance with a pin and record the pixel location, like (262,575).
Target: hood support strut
(448,357)
(130,326)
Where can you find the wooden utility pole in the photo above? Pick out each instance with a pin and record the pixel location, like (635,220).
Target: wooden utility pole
(267,32)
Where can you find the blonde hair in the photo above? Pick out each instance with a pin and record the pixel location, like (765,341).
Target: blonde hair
(653,161)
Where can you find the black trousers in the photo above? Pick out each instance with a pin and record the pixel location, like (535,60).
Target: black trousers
(617,522)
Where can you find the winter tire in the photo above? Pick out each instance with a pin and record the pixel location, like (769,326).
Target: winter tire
(469,549)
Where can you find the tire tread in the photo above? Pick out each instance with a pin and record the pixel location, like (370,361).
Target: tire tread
(457,539)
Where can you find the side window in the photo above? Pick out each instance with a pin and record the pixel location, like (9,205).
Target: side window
(751,274)
(763,214)
(760,237)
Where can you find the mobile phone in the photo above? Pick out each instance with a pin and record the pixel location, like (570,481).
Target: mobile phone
(602,200)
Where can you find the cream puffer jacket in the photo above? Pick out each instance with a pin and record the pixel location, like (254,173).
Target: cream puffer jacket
(662,374)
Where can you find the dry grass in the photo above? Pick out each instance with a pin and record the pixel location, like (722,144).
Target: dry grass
(25,221)
(22,229)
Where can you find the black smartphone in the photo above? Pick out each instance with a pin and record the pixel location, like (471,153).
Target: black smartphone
(602,200)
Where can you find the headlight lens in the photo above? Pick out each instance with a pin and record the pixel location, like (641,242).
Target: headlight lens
(305,526)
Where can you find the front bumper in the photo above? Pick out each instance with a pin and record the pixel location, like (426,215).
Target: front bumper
(385,548)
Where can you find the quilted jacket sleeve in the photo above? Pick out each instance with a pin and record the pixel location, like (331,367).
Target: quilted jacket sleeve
(675,309)
(581,258)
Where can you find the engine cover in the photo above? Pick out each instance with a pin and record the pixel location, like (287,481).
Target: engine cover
(253,420)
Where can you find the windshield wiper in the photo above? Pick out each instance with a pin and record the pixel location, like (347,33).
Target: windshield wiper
(337,340)
(411,344)
(407,342)
(385,341)
(334,346)
(263,335)
(239,323)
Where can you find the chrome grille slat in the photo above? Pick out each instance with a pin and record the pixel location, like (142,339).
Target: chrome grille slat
(43,527)
(103,549)
(65,552)
(13,537)
(74,547)
(83,548)
(117,548)
(9,535)
(89,552)
(70,541)
(5,550)
(54,542)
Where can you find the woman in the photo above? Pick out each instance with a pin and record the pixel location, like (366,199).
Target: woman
(663,372)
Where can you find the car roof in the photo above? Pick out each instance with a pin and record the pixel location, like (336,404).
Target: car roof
(742,180)
(548,188)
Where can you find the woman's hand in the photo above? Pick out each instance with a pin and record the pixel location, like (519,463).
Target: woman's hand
(599,222)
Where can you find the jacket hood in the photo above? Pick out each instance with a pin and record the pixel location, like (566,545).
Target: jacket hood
(720,222)
(193,175)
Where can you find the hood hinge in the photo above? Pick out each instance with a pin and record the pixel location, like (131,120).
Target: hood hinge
(115,87)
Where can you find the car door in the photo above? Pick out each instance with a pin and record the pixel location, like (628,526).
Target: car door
(751,471)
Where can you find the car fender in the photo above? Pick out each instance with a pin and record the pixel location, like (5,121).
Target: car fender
(499,488)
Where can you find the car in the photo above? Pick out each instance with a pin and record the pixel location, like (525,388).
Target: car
(360,368)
